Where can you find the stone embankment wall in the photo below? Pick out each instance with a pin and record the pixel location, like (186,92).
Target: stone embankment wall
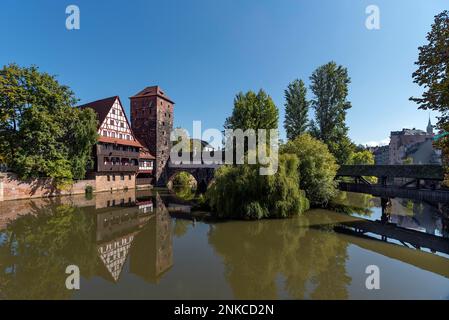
(12,188)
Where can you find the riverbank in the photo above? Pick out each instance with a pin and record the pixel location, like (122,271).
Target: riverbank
(13,188)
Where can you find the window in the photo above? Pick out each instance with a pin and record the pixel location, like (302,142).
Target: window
(122,177)
(121,136)
(113,177)
(109,179)
(113,134)
(127,137)
(113,111)
(111,122)
(105,133)
(122,124)
(129,177)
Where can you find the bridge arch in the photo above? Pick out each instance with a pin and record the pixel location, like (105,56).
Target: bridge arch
(203,176)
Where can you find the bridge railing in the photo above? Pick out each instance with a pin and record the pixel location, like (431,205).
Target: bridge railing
(414,171)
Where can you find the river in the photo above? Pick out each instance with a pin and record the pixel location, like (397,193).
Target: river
(143,245)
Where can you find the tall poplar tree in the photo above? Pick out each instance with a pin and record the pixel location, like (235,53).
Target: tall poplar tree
(329,84)
(296,109)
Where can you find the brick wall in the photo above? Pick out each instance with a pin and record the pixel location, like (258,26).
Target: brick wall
(11,188)
(102,183)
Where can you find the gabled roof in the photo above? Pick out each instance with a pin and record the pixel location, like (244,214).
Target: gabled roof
(133,143)
(101,107)
(152,91)
(145,154)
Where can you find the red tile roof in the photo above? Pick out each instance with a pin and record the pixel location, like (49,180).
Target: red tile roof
(152,91)
(120,141)
(101,107)
(145,154)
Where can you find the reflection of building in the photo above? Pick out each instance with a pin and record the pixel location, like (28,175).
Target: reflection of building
(414,145)
(152,251)
(141,231)
(114,254)
(416,215)
(116,229)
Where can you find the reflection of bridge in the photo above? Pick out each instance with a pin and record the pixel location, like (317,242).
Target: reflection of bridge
(418,181)
(362,233)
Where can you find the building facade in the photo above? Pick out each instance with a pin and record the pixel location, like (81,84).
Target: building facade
(117,152)
(381,155)
(413,146)
(152,123)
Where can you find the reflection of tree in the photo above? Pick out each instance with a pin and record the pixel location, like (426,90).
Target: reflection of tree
(350,202)
(257,253)
(180,227)
(37,248)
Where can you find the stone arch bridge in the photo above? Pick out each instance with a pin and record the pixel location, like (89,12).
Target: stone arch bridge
(203,173)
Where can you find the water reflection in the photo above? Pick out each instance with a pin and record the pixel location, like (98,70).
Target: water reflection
(261,253)
(40,238)
(128,245)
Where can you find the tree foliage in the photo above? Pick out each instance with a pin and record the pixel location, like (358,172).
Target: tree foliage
(240,192)
(41,134)
(317,168)
(329,84)
(296,109)
(361,157)
(253,111)
(433,69)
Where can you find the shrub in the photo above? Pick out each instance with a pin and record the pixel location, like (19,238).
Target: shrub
(241,192)
(317,168)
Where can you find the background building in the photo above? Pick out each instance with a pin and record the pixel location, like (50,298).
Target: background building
(382,155)
(413,146)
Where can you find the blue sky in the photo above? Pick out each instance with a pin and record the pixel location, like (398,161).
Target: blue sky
(203,52)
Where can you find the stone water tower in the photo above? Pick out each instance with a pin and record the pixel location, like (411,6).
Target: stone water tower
(152,123)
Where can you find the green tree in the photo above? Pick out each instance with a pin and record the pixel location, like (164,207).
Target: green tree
(240,192)
(408,160)
(329,84)
(433,75)
(296,109)
(317,168)
(433,69)
(361,157)
(41,134)
(253,111)
(365,157)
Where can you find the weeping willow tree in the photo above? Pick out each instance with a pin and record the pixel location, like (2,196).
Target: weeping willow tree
(240,192)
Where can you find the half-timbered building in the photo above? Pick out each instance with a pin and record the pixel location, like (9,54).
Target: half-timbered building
(117,154)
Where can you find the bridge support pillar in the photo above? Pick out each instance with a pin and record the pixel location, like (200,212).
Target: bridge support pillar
(1,187)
